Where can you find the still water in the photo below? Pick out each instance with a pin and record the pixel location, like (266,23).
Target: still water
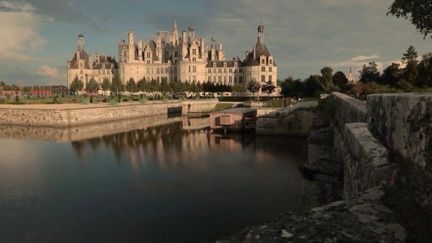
(152,184)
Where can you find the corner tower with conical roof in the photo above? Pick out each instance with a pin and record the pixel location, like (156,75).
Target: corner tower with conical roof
(259,63)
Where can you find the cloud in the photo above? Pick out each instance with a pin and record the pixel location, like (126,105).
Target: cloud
(20,32)
(46,71)
(364,58)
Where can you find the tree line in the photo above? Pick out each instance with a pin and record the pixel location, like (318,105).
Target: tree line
(116,86)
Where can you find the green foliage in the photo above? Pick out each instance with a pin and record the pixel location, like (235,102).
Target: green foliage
(238,88)
(392,75)
(268,87)
(253,86)
(76,85)
(425,71)
(106,84)
(313,86)
(131,86)
(340,81)
(410,55)
(84,100)
(417,11)
(17,99)
(92,86)
(292,88)
(370,73)
(327,74)
(117,84)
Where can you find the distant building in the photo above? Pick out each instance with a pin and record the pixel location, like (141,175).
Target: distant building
(351,78)
(84,66)
(175,57)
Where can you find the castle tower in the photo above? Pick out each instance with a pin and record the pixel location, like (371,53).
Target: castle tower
(81,42)
(261,34)
(174,34)
(131,46)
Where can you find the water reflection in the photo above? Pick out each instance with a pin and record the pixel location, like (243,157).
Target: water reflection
(154,180)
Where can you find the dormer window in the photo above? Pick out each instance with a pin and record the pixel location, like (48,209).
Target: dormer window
(271,61)
(194,52)
(262,61)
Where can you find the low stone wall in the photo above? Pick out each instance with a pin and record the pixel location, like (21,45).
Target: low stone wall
(295,123)
(403,123)
(83,115)
(347,110)
(70,134)
(365,160)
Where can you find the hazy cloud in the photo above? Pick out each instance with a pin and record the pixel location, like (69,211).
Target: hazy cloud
(46,71)
(20,32)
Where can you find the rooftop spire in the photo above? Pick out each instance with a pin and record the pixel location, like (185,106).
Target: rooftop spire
(175,26)
(261,34)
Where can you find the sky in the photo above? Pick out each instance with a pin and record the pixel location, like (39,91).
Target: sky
(39,36)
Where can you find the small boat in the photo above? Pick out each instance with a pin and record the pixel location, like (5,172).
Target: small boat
(234,120)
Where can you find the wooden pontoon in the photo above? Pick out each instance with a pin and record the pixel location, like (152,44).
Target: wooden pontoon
(233,120)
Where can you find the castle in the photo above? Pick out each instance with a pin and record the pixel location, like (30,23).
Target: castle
(175,58)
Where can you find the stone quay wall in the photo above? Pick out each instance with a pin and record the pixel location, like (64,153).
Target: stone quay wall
(364,159)
(403,124)
(88,114)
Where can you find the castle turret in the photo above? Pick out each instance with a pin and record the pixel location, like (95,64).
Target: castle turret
(174,34)
(131,46)
(81,42)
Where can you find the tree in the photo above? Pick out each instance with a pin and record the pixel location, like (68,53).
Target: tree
(425,71)
(369,73)
(253,87)
(292,88)
(341,81)
(116,84)
(76,85)
(327,73)
(313,86)
(238,88)
(268,87)
(392,74)
(92,86)
(410,55)
(417,11)
(411,72)
(106,84)
(131,87)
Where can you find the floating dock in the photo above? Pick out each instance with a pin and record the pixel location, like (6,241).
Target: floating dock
(234,120)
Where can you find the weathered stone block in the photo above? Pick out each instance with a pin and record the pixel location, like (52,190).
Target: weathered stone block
(348,110)
(366,165)
(403,122)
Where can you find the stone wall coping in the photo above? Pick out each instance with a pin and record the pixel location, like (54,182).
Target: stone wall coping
(358,104)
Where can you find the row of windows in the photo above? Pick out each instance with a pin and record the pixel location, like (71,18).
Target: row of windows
(263,78)
(263,61)
(229,70)
(225,79)
(263,69)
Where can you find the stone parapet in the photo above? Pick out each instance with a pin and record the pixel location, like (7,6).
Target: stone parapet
(366,163)
(347,110)
(403,123)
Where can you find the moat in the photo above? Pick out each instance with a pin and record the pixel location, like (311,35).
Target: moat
(152,184)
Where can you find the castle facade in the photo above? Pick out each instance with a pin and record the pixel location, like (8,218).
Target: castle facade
(175,57)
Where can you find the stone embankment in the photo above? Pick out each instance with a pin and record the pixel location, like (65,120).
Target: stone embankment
(74,115)
(376,156)
(292,121)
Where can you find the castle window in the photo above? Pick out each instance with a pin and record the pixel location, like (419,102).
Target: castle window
(262,69)
(241,79)
(214,79)
(262,78)
(225,70)
(209,70)
(270,78)
(194,52)
(148,61)
(219,70)
(209,78)
(194,59)
(230,79)
(271,61)
(263,61)
(194,69)
(270,69)
(194,78)
(220,79)
(230,70)
(190,69)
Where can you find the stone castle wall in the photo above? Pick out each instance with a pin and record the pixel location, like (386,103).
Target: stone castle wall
(59,117)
